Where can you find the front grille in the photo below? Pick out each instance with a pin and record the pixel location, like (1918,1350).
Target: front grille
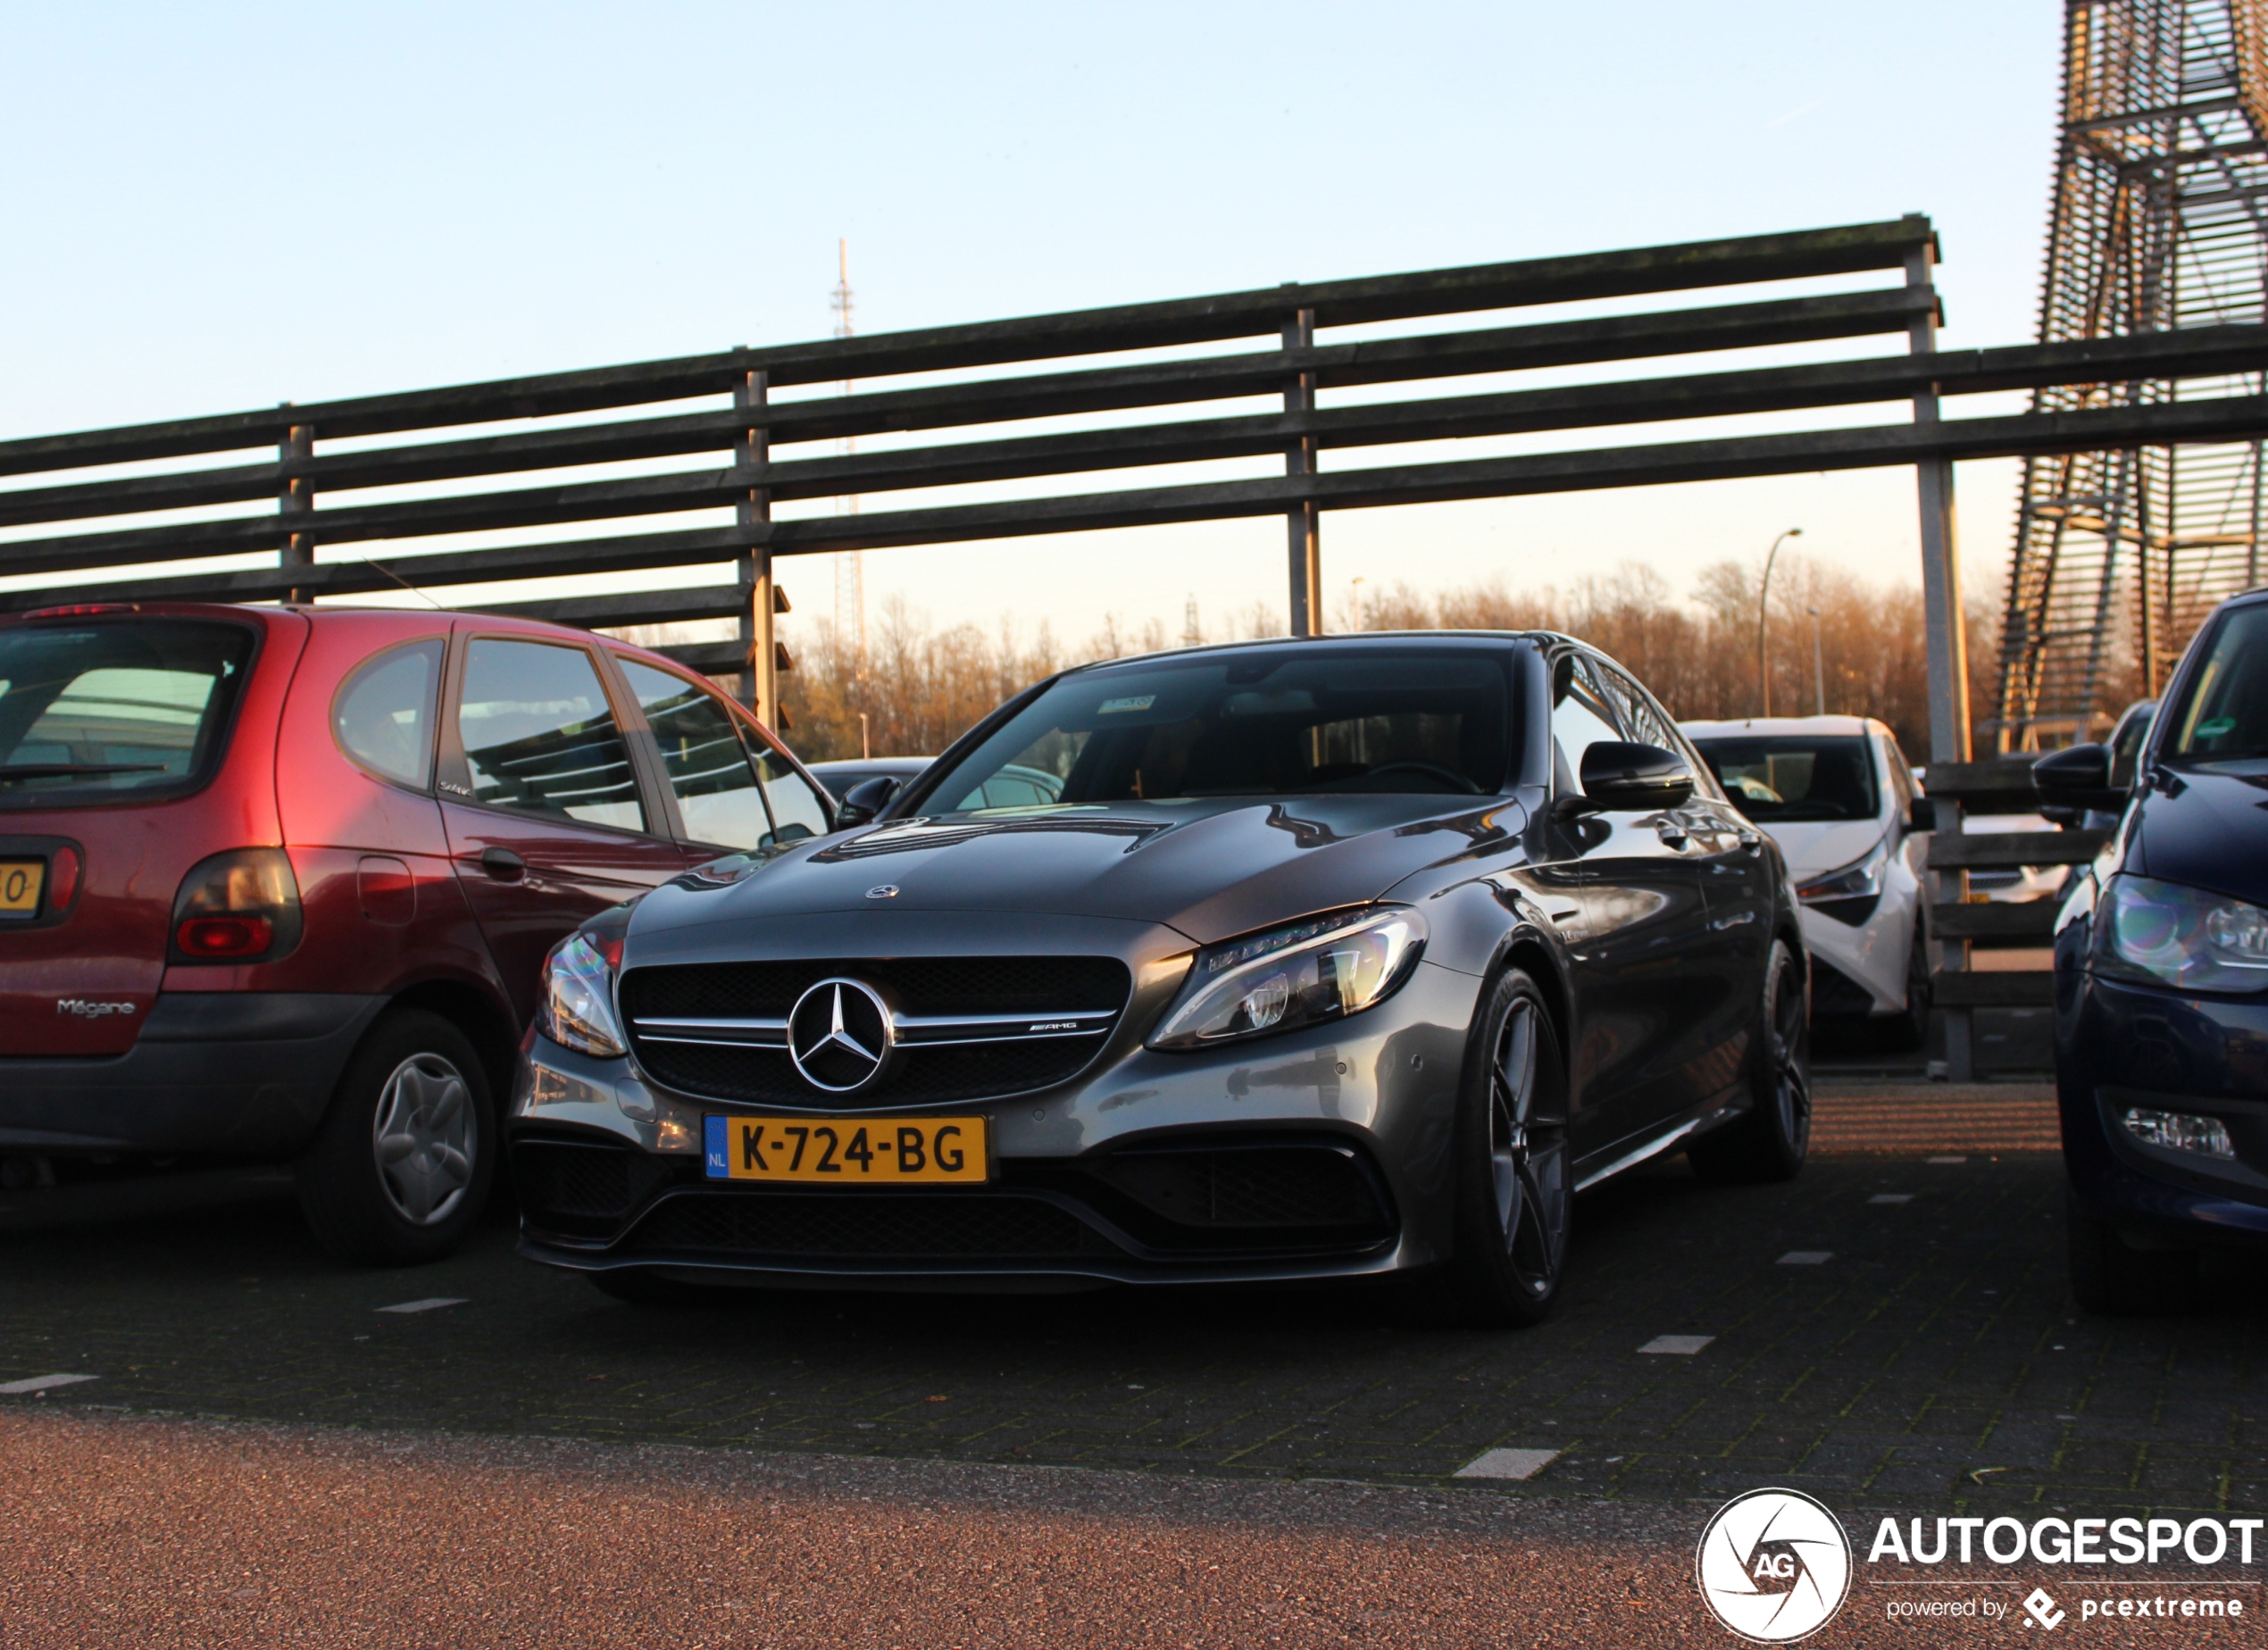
(890,1225)
(755,1067)
(585,1189)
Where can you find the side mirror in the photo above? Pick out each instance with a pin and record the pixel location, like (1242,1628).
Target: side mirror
(1619,776)
(2079,777)
(862,801)
(1922,815)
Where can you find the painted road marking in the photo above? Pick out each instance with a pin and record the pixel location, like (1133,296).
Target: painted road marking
(1507,1464)
(1891,1197)
(42,1383)
(1948,1160)
(426,1306)
(1677,1345)
(1807,1257)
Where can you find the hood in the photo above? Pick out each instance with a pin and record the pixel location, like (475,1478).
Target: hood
(2207,829)
(1813,847)
(1210,868)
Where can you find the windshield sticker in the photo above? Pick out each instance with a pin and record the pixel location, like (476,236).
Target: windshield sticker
(1140,702)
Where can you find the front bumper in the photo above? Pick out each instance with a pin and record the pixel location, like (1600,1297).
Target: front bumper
(2120,1046)
(239,1074)
(1376,1095)
(1868,959)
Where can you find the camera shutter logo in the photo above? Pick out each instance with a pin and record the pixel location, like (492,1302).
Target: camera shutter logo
(1773,1565)
(840,1036)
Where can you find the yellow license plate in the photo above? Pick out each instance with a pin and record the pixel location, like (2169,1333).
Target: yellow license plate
(21,881)
(898,1151)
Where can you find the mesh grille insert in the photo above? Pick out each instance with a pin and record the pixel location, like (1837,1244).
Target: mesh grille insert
(585,1190)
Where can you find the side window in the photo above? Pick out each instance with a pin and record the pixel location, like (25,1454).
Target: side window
(383,717)
(701,750)
(797,808)
(1580,719)
(539,737)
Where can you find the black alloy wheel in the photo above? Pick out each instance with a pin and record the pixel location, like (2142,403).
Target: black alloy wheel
(1771,1141)
(1515,1187)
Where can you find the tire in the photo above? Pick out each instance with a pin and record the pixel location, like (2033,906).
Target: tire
(2112,1276)
(1908,1030)
(1771,1141)
(401,1169)
(1514,1174)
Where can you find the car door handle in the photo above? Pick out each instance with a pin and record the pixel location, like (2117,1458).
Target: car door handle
(1672,835)
(502,864)
(1752,841)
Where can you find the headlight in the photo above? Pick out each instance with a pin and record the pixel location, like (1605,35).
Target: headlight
(2148,930)
(1298,976)
(578,1003)
(1852,881)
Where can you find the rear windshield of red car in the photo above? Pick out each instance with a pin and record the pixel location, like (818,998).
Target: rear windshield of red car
(115,709)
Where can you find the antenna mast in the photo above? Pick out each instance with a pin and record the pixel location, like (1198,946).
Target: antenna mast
(850,567)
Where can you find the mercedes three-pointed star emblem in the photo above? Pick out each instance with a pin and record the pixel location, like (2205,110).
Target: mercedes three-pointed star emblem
(840,1036)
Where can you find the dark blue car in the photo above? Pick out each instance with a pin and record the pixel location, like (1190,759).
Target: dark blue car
(2162,983)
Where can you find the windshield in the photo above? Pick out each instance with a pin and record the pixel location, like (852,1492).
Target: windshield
(1283,722)
(112,709)
(2223,713)
(1793,777)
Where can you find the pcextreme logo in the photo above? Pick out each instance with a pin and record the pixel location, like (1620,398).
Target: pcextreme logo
(1773,1565)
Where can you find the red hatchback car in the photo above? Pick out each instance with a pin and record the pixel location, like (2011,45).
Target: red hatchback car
(277,883)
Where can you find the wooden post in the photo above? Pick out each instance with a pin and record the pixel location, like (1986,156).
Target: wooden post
(297,496)
(1946,635)
(1302,518)
(760,681)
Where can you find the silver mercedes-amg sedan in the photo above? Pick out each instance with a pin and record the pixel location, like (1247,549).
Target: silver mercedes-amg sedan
(1307,958)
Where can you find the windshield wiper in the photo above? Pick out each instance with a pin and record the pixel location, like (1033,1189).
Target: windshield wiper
(74,770)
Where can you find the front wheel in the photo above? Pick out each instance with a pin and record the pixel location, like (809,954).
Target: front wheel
(1514,1188)
(402,1166)
(1771,1141)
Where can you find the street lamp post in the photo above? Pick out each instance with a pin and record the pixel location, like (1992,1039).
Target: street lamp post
(1764,596)
(1818,663)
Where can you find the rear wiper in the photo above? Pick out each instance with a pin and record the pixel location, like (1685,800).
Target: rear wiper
(73,770)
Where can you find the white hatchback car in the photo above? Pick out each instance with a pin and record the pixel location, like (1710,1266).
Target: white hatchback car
(1838,796)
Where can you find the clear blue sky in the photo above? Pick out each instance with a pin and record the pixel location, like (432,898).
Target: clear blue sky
(225,205)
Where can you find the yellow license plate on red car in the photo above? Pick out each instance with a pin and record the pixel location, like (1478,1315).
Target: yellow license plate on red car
(21,881)
(802,1151)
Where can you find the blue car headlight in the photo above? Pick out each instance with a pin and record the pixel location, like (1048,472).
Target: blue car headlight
(1324,969)
(576,1006)
(2177,935)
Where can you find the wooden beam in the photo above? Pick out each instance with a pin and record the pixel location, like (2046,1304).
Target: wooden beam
(1993,990)
(2033,920)
(994,400)
(2011,850)
(1684,267)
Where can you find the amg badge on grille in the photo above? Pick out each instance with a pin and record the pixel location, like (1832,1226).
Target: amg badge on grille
(840,1036)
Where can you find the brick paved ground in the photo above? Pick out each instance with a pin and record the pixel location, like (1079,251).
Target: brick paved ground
(1935,1356)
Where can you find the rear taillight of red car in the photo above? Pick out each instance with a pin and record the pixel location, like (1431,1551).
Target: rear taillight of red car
(241,906)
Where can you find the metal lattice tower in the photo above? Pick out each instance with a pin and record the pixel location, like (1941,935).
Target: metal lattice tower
(2158,222)
(850,566)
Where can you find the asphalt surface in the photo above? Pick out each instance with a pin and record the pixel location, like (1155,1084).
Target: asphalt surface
(265,1454)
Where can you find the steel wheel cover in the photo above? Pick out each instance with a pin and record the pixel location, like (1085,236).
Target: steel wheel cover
(423,1139)
(1527,1156)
